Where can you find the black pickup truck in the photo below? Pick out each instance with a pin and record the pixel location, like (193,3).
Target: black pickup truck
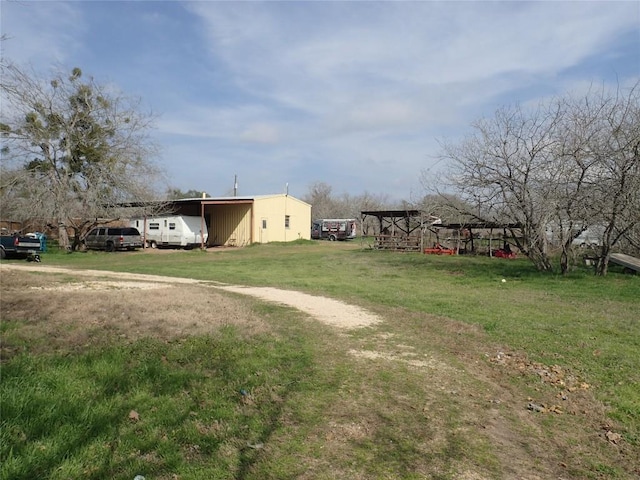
(16,246)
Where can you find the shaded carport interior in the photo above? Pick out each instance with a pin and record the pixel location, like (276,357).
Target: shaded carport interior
(228,220)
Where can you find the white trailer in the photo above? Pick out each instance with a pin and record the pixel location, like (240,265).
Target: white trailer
(171,231)
(334,229)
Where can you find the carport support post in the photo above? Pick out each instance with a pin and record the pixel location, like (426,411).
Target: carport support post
(144,236)
(201,226)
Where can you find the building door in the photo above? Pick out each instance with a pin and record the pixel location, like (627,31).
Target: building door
(264,237)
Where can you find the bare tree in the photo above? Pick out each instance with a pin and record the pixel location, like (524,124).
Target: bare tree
(502,170)
(324,204)
(319,197)
(597,186)
(566,166)
(368,202)
(568,190)
(73,152)
(616,150)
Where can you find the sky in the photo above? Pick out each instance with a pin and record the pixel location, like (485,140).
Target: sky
(359,95)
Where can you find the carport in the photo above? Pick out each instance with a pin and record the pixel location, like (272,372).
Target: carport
(240,221)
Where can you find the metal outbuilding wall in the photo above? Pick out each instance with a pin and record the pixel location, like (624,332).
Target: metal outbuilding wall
(272,211)
(240,221)
(229,224)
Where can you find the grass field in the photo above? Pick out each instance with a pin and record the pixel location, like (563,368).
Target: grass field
(536,376)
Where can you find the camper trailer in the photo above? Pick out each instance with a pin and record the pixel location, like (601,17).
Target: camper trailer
(171,231)
(334,229)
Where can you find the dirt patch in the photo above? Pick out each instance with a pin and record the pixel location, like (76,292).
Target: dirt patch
(64,314)
(326,310)
(329,311)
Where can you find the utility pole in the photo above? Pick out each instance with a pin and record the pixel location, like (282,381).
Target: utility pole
(235,185)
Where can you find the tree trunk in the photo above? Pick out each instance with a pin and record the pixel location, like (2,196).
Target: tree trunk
(536,253)
(564,262)
(76,239)
(602,267)
(541,262)
(63,237)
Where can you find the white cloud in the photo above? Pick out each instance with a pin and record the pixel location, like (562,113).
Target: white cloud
(333,91)
(260,133)
(318,66)
(41,33)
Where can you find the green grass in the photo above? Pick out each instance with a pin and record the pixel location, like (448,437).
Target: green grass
(67,417)
(585,322)
(200,403)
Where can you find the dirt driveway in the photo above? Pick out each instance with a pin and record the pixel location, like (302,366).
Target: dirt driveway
(326,310)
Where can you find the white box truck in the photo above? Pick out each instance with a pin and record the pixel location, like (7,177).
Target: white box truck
(171,231)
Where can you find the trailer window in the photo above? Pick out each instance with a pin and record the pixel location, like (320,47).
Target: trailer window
(287,219)
(154,226)
(264,223)
(172,226)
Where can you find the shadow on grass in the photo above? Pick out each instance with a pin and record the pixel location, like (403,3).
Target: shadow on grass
(149,407)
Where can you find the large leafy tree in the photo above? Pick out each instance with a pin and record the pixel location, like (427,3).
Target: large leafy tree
(73,151)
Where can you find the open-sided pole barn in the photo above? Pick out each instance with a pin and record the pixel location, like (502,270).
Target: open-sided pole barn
(401,230)
(414,230)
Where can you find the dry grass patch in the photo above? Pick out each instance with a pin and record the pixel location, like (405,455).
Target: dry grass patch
(65,313)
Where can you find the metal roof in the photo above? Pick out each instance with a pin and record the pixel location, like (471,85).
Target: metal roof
(393,213)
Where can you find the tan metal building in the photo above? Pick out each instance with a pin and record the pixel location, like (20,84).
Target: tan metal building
(240,221)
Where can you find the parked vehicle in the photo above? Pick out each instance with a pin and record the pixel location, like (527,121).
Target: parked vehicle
(113,238)
(171,231)
(18,246)
(334,229)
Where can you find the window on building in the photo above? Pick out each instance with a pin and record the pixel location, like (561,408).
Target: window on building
(287,220)
(264,223)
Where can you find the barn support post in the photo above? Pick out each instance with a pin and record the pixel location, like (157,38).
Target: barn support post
(490,238)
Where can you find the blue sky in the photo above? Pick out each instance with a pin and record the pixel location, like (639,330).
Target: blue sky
(353,94)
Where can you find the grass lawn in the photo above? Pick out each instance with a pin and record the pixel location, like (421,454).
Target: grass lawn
(468,376)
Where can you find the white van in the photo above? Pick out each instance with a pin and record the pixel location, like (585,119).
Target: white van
(171,231)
